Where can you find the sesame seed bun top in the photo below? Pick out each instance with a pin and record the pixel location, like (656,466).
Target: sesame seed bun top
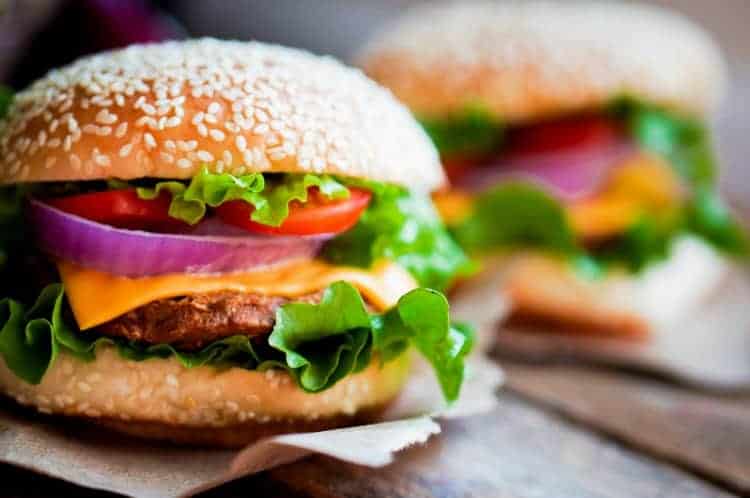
(166,110)
(525,61)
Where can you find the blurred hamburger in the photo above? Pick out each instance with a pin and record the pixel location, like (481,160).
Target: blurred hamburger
(575,136)
(208,242)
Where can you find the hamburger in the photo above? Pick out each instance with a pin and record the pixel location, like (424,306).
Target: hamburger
(576,138)
(208,241)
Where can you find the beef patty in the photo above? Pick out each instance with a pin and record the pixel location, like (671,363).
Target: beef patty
(192,322)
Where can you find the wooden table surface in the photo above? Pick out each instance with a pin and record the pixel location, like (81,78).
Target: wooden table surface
(560,431)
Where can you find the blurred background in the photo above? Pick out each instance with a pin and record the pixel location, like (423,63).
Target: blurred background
(36,35)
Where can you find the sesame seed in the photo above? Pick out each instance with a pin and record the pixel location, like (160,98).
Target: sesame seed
(50,161)
(83,387)
(241,143)
(122,128)
(125,150)
(205,156)
(105,117)
(72,124)
(148,109)
(262,95)
(172,381)
(145,121)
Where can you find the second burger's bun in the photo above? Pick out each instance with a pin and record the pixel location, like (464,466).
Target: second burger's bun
(526,61)
(166,110)
(161,399)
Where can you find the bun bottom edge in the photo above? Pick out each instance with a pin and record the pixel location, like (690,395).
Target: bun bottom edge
(234,436)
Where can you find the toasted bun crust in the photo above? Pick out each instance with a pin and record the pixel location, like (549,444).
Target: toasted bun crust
(546,294)
(166,110)
(160,399)
(525,61)
(549,293)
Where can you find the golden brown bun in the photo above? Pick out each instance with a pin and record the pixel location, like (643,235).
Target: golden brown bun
(160,399)
(549,294)
(166,110)
(525,61)
(546,294)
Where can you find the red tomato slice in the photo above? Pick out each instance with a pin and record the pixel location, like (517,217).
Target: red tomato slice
(317,216)
(120,208)
(560,136)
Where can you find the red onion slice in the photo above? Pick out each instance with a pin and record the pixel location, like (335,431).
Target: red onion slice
(135,253)
(568,176)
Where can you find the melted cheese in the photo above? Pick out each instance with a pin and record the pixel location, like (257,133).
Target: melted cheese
(644,183)
(453,206)
(98,297)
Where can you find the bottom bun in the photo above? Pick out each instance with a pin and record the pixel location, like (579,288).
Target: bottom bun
(160,399)
(547,293)
(238,435)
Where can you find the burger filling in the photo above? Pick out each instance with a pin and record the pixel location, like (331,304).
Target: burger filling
(313,274)
(194,321)
(605,190)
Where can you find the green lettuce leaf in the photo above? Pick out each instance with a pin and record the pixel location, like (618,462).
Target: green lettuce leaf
(317,344)
(422,318)
(647,241)
(516,214)
(708,217)
(270,198)
(404,228)
(685,142)
(471,132)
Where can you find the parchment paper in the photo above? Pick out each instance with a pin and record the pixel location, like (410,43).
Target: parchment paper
(101,460)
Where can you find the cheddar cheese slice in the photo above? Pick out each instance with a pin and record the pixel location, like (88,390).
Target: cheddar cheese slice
(97,297)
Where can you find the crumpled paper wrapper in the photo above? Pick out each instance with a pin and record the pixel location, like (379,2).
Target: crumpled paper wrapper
(101,460)
(708,348)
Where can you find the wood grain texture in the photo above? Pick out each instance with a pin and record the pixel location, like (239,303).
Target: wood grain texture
(707,434)
(517,451)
